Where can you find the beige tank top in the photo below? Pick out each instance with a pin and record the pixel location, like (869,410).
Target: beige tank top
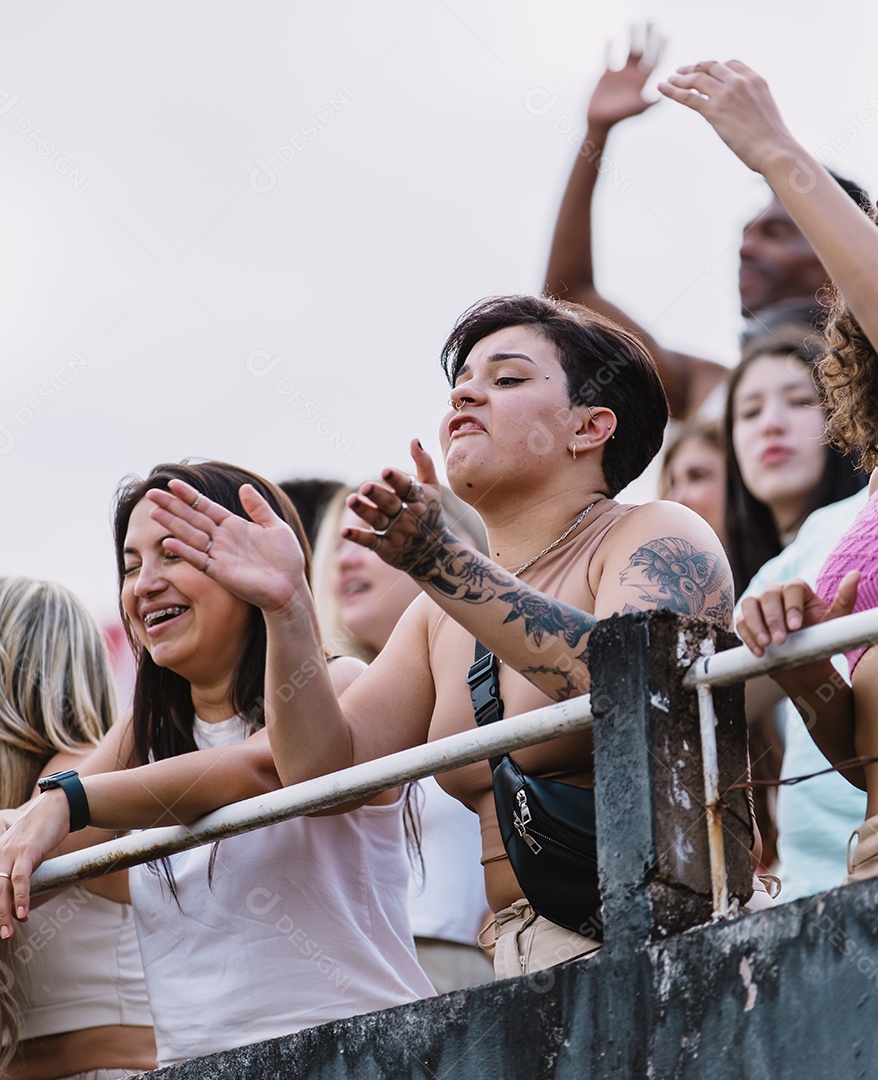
(563,573)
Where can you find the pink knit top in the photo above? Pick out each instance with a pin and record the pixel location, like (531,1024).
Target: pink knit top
(857,550)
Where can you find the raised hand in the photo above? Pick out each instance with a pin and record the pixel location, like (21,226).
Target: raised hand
(619,92)
(259,560)
(737,103)
(404,515)
(784,608)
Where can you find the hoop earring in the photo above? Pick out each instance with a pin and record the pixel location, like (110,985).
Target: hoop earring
(574,451)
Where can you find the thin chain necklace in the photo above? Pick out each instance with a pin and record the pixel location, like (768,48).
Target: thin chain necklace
(553,545)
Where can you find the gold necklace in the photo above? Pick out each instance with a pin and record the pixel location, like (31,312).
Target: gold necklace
(553,545)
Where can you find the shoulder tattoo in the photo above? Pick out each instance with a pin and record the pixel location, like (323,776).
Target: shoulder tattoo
(672,573)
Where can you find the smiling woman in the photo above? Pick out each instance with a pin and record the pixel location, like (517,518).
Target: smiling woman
(244,942)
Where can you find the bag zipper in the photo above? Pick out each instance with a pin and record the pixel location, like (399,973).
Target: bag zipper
(524,817)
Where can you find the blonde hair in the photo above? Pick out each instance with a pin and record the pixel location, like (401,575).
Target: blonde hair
(462,520)
(56,694)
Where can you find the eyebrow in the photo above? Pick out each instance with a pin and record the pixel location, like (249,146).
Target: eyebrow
(784,389)
(498,358)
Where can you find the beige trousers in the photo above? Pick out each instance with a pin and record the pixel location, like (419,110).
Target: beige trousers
(526,942)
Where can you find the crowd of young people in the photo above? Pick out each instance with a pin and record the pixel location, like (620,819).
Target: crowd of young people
(308,921)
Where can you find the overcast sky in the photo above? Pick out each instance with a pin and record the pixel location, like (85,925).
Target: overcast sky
(242,230)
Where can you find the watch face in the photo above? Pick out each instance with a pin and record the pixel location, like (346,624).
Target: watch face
(47,782)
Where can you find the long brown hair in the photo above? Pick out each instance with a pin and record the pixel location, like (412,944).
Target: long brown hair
(162,710)
(752,537)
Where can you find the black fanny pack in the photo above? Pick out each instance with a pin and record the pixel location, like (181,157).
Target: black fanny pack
(548,828)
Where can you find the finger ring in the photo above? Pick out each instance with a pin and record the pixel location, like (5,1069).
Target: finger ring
(209,546)
(378,538)
(392,519)
(196,501)
(206,565)
(7,876)
(414,492)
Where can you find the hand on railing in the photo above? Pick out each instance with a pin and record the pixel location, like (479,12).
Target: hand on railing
(35,835)
(789,606)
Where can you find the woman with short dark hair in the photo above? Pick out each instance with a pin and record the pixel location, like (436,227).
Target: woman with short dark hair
(553,410)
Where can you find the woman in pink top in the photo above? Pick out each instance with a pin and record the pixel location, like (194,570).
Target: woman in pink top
(843,721)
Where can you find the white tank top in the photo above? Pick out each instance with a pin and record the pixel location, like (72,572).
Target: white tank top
(75,964)
(305,922)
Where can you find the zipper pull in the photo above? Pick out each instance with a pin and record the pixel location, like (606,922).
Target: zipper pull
(522,822)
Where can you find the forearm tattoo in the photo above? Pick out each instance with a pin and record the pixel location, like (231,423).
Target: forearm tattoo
(569,687)
(671,573)
(474,579)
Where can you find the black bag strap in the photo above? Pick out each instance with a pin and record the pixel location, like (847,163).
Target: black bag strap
(484,689)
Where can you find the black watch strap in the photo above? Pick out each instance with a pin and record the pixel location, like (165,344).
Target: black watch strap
(77,800)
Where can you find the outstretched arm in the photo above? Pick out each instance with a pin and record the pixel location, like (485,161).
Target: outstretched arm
(737,103)
(570,274)
(661,556)
(174,791)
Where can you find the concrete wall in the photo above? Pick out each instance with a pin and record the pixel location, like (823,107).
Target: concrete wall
(791,992)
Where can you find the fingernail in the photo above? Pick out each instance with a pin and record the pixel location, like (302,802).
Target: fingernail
(763,639)
(419,445)
(5,932)
(22,912)
(795,620)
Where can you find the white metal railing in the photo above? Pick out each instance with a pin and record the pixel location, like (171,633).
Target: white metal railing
(738,665)
(357,782)
(553,721)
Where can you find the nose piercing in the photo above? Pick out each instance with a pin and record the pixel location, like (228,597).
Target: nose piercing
(456,405)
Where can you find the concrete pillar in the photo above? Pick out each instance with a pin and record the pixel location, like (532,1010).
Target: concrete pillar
(652,832)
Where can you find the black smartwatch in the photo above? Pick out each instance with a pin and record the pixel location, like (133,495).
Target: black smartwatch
(71,785)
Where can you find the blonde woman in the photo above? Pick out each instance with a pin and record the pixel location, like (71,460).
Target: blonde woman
(72,997)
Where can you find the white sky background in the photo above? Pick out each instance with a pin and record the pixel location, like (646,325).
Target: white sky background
(143,280)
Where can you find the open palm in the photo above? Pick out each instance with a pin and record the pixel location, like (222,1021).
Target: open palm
(619,93)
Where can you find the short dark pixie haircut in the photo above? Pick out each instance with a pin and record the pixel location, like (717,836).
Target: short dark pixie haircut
(604,365)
